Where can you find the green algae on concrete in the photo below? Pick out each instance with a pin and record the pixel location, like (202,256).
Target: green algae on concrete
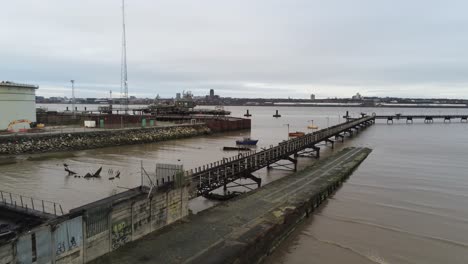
(245,229)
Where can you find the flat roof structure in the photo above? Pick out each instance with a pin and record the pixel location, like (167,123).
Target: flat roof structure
(18,85)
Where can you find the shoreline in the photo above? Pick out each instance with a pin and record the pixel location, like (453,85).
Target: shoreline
(308,105)
(38,143)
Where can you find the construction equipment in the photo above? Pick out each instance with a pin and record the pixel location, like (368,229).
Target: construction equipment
(31,124)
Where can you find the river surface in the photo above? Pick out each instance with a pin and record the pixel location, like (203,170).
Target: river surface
(407,203)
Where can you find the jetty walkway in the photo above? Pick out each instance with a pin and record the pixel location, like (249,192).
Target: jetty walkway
(218,174)
(427,118)
(245,229)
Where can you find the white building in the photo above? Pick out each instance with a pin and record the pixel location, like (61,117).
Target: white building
(17,101)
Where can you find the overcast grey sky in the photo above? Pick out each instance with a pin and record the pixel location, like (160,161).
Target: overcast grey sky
(241,48)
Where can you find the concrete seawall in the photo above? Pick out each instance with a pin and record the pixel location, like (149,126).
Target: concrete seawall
(39,143)
(97,228)
(249,227)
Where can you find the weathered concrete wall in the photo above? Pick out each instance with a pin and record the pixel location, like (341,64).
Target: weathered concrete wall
(141,212)
(97,245)
(98,228)
(68,240)
(6,254)
(135,218)
(96,139)
(121,225)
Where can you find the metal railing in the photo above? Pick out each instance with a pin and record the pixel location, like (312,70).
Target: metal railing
(399,116)
(17,201)
(214,175)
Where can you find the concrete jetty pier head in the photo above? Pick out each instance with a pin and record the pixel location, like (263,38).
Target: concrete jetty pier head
(246,229)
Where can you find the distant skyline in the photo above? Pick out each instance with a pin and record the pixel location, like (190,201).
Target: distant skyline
(244,48)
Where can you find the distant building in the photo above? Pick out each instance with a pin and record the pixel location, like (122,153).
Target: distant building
(357,97)
(178,97)
(312,97)
(212,94)
(17,102)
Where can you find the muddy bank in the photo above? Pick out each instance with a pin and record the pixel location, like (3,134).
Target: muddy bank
(97,139)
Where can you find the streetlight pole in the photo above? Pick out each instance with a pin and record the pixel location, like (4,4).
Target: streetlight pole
(73,98)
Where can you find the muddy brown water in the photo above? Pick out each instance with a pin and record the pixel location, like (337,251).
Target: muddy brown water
(407,203)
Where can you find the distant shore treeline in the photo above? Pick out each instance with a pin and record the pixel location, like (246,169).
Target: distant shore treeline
(319,105)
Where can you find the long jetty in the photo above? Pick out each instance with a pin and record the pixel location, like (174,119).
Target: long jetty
(218,174)
(247,229)
(427,118)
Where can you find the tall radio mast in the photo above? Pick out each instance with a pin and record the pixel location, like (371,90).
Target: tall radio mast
(123,73)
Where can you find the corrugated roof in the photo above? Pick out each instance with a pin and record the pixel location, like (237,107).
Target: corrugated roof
(18,85)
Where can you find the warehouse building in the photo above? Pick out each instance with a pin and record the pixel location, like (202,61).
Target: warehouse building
(17,102)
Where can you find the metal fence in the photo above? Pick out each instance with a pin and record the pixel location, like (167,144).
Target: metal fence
(28,203)
(162,174)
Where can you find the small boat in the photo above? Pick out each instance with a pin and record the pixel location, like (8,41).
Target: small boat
(247,141)
(312,126)
(296,134)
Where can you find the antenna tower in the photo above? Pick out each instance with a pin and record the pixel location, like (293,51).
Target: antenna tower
(123,73)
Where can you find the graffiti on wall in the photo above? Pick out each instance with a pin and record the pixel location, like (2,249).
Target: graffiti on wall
(141,215)
(121,233)
(68,235)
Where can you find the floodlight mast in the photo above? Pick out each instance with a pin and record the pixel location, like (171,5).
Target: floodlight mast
(73,97)
(123,74)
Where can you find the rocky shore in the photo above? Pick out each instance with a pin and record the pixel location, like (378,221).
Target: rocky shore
(97,139)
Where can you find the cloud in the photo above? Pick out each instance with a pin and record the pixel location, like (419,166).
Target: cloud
(240,48)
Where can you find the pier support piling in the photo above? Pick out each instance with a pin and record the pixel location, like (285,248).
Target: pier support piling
(337,136)
(313,151)
(330,141)
(285,166)
(254,178)
(429,120)
(317,151)
(277,114)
